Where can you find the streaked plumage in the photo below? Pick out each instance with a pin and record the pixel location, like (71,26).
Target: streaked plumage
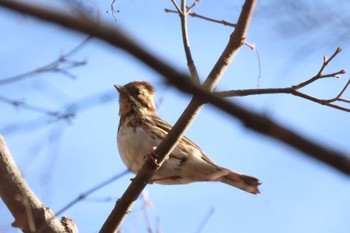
(141,130)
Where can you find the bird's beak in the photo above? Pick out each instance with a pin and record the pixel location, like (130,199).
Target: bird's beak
(119,88)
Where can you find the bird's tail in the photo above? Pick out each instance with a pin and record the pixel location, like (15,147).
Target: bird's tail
(247,183)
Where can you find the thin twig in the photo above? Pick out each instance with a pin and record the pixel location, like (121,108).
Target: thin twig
(113,10)
(189,8)
(194,14)
(53,66)
(320,74)
(294,90)
(326,61)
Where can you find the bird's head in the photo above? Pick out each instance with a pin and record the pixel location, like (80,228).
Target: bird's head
(137,97)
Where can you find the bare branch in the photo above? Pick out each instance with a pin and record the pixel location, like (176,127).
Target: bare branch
(189,8)
(29,213)
(294,90)
(287,90)
(327,61)
(178,10)
(190,63)
(34,108)
(194,14)
(320,74)
(55,66)
(67,113)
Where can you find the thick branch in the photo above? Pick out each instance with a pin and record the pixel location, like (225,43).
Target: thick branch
(29,213)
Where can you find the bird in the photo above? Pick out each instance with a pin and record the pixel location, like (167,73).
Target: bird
(141,130)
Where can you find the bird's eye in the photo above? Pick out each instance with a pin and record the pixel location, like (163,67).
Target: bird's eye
(136,92)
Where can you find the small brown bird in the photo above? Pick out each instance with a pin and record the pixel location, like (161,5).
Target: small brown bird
(141,130)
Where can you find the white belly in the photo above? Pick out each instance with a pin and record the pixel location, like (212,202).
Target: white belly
(134,145)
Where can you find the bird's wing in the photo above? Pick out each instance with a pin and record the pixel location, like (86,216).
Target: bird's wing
(166,127)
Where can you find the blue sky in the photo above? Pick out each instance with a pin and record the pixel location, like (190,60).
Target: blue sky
(298,194)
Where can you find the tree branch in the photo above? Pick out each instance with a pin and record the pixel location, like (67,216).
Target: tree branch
(29,213)
(294,90)
(320,74)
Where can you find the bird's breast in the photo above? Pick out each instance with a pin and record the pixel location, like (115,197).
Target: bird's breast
(134,143)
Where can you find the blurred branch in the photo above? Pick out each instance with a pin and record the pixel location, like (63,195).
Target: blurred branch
(146,203)
(68,113)
(34,108)
(60,65)
(194,14)
(294,90)
(90,191)
(205,220)
(29,213)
